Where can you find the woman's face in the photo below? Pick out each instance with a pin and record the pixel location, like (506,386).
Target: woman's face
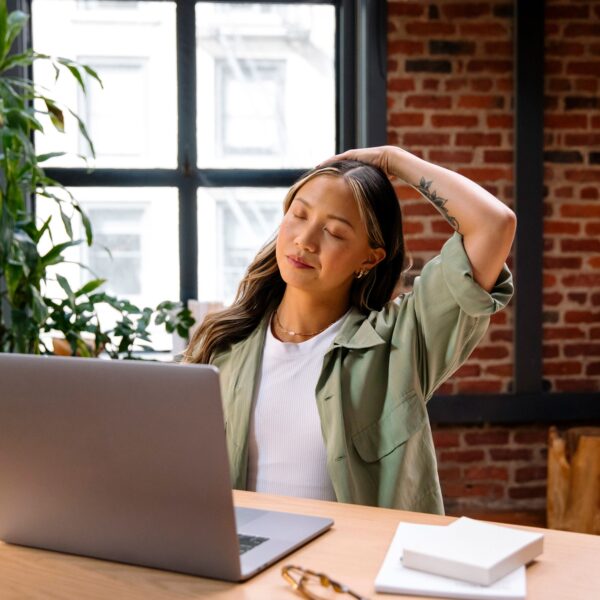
(322,241)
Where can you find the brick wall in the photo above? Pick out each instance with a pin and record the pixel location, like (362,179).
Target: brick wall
(450,101)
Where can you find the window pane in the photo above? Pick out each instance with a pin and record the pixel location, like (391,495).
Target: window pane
(266,84)
(233,224)
(135,246)
(132,120)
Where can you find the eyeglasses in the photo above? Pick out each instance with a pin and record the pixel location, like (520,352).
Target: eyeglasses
(314,585)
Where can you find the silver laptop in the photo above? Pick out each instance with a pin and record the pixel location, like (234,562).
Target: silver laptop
(127,461)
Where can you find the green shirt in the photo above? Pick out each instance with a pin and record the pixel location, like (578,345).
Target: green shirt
(376,379)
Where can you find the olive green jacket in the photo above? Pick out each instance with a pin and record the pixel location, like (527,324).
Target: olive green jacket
(377,376)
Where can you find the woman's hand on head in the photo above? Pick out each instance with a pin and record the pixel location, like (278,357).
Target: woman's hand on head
(378,156)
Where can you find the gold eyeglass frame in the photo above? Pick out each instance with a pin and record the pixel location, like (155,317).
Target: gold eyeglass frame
(303,575)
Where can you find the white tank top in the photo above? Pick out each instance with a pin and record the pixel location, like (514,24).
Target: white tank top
(286,450)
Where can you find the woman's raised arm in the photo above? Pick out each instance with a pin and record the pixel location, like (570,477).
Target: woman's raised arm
(486,224)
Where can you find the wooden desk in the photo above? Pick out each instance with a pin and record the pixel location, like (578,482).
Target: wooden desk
(351,552)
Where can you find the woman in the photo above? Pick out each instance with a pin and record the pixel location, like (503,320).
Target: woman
(324,378)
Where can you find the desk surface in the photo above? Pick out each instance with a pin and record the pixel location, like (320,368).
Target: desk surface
(351,552)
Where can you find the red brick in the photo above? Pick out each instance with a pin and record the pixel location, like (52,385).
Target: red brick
(406,119)
(564,192)
(561,48)
(468,370)
(594,262)
(595,333)
(576,385)
(499,318)
(486,473)
(479,386)
(584,68)
(478,139)
(549,280)
(483,29)
(461,456)
(405,9)
(465,10)
(549,351)
(485,174)
(566,11)
(587,84)
(487,438)
(582,316)
(482,84)
(582,280)
(430,28)
(579,297)
(445,439)
(454,120)
(582,350)
(450,156)
(589,193)
(582,175)
(398,84)
(592,228)
(553,67)
(428,101)
(412,227)
(480,101)
(501,335)
(523,474)
(406,47)
(426,244)
(580,210)
(563,333)
(498,156)
(489,352)
(582,139)
(425,139)
(527,492)
(500,121)
(561,262)
(562,368)
(483,490)
(449,474)
(531,437)
(560,227)
(498,48)
(510,453)
(552,299)
(564,121)
(430,84)
(489,66)
(580,245)
(593,368)
(417,209)
(499,370)
(558,84)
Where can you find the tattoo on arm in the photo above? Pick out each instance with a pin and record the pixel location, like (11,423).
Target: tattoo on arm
(437,201)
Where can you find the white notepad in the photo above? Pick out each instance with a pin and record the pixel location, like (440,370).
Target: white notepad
(395,578)
(473,551)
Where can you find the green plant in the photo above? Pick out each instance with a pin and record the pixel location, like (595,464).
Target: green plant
(23,269)
(26,312)
(77,314)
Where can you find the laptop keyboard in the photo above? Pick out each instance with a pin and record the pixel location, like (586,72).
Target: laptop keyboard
(247,542)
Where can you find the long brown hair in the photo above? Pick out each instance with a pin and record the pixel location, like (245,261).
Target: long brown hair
(262,287)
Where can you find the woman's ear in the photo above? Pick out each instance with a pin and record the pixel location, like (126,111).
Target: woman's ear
(376,255)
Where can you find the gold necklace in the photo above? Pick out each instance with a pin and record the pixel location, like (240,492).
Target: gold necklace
(295,332)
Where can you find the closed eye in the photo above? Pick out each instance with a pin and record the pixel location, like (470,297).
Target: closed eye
(337,237)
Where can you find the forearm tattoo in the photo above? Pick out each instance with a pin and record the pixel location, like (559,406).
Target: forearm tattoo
(439,202)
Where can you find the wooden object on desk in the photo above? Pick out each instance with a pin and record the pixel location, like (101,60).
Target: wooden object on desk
(574,480)
(351,552)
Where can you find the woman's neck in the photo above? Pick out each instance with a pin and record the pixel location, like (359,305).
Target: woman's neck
(300,316)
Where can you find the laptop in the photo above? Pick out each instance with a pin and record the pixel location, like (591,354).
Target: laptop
(126,461)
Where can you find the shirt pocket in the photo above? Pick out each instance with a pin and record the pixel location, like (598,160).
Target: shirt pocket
(392,429)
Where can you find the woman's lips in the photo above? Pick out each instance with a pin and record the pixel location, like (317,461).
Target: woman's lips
(298,263)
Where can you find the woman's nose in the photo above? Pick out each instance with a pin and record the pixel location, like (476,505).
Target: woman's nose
(306,240)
